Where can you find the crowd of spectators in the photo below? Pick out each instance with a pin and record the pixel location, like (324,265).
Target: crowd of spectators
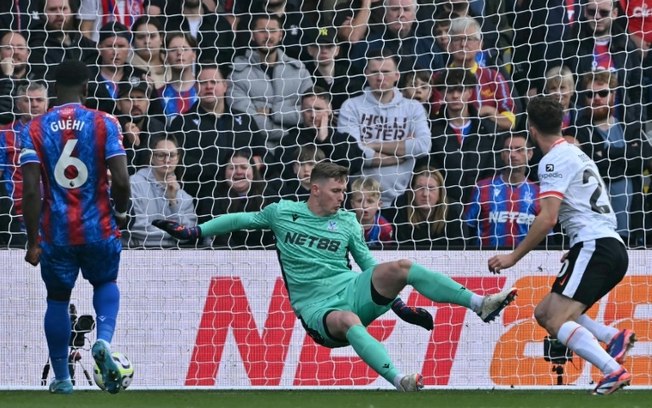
(226,105)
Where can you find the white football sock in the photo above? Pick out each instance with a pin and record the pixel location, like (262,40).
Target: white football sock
(582,342)
(397,380)
(476,302)
(599,330)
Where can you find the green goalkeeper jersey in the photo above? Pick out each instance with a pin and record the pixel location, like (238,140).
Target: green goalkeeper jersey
(313,250)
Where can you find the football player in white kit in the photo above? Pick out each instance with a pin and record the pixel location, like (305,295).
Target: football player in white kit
(572,191)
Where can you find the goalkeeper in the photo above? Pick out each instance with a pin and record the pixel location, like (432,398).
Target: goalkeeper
(334,303)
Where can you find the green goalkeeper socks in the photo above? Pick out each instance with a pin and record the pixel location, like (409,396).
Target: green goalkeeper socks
(438,287)
(372,352)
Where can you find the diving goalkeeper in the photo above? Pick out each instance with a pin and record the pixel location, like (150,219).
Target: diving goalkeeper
(334,303)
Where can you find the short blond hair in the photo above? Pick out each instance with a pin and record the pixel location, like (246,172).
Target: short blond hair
(558,75)
(366,185)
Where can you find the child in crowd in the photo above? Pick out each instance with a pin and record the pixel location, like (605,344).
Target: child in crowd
(417,85)
(298,188)
(560,82)
(365,201)
(440,34)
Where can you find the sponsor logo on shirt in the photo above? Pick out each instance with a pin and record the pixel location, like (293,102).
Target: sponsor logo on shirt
(501,217)
(551,175)
(310,241)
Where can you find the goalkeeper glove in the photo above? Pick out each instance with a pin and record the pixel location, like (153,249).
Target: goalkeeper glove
(413,315)
(177,230)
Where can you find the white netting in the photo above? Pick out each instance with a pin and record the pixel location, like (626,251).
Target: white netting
(241,97)
(223,319)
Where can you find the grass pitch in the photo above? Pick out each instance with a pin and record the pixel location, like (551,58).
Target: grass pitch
(329,399)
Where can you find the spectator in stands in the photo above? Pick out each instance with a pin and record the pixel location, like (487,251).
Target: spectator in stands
(399,36)
(159,7)
(56,38)
(156,193)
(138,127)
(638,15)
(541,28)
(616,147)
(638,21)
(17,15)
(440,34)
(354,18)
(560,82)
(147,45)
(97,13)
(330,73)
(317,129)
(364,199)
(31,101)
(417,85)
(180,92)
(351,19)
(112,68)
(492,95)
(392,131)
(185,16)
(462,142)
(297,187)
(503,207)
(211,31)
(294,25)
(266,83)
(424,215)
(14,71)
(491,20)
(602,45)
(210,131)
(240,188)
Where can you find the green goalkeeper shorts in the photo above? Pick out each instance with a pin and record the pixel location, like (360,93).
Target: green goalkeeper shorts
(355,297)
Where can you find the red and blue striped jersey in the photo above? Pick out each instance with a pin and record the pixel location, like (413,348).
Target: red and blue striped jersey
(177,102)
(499,213)
(10,163)
(380,232)
(72,144)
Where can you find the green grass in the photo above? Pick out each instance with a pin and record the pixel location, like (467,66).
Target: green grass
(328,399)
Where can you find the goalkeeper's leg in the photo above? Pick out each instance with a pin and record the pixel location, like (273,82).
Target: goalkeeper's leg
(370,350)
(391,277)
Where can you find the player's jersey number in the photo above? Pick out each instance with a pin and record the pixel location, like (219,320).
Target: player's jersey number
(597,193)
(70,172)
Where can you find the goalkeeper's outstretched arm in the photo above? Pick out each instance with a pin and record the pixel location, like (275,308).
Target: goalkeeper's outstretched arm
(217,226)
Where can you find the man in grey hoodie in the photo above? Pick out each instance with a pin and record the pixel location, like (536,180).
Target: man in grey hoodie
(266,83)
(392,131)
